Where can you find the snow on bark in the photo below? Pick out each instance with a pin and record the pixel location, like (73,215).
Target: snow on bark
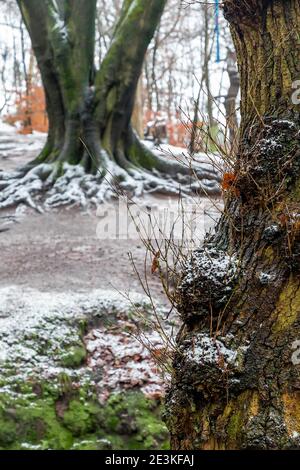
(59,26)
(209,350)
(207,282)
(210,362)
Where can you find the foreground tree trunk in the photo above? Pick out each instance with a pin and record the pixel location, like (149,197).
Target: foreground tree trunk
(231,97)
(236,381)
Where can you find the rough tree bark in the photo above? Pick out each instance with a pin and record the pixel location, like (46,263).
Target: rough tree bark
(236,380)
(63,42)
(206,62)
(231,97)
(137,118)
(90,111)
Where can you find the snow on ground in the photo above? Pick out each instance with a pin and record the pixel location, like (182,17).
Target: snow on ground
(61,269)
(127,362)
(70,249)
(208,161)
(17,149)
(41,189)
(40,331)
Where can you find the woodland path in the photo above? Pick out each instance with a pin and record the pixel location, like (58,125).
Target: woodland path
(59,250)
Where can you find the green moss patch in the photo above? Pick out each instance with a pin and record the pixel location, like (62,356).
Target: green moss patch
(76,420)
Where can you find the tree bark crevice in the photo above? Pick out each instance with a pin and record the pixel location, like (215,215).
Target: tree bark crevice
(235,385)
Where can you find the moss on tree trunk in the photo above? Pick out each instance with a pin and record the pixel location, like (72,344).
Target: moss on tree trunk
(90,111)
(236,381)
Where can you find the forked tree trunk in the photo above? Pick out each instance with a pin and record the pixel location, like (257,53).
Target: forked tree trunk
(236,381)
(62,36)
(89,112)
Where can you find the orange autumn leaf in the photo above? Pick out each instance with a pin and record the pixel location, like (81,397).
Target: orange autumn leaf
(155,263)
(228,181)
(159,353)
(30,111)
(284,219)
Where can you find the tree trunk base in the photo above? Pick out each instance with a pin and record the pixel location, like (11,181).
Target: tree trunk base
(49,181)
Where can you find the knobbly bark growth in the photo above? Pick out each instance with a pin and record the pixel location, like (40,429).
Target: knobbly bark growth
(236,380)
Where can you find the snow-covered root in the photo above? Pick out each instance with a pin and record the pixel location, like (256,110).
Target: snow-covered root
(40,187)
(17,187)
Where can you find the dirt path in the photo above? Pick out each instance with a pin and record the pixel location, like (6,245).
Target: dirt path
(59,276)
(60,250)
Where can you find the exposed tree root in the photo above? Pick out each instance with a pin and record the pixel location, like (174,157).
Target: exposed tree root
(55,184)
(92,152)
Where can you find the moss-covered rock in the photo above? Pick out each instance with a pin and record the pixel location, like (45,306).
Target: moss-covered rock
(128,420)
(74,356)
(136,419)
(50,395)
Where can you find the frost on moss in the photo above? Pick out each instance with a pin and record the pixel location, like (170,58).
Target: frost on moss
(74,356)
(54,394)
(55,420)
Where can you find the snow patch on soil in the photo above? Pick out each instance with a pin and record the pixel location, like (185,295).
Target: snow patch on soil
(125,362)
(38,330)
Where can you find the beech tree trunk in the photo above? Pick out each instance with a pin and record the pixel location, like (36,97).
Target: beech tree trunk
(89,111)
(231,97)
(236,380)
(137,118)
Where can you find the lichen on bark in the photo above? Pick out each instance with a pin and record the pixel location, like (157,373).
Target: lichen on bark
(253,405)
